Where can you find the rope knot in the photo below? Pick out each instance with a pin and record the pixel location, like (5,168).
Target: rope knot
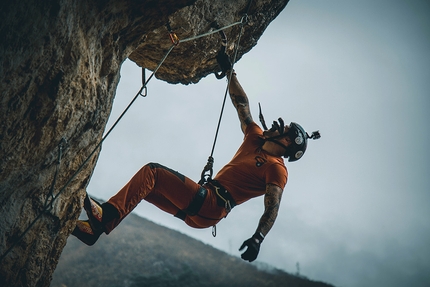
(208,168)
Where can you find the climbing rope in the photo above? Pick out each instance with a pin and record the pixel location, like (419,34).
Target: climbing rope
(205,177)
(207,172)
(212,32)
(142,92)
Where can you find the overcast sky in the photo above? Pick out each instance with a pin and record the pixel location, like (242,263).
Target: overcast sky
(355,211)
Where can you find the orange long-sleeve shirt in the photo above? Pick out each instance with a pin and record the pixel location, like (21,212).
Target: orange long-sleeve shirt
(251,168)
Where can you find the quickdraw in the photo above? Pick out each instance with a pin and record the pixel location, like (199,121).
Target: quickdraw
(172,35)
(144,89)
(174,38)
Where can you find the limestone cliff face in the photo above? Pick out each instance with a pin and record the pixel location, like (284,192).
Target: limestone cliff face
(60,63)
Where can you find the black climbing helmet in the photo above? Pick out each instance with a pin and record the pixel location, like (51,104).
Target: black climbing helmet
(299,141)
(299,138)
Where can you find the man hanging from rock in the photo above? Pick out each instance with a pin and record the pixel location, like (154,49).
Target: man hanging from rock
(256,169)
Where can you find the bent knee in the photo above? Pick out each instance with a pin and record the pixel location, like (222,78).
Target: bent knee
(154,166)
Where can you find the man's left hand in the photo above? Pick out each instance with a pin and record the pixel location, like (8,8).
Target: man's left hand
(253,247)
(224,62)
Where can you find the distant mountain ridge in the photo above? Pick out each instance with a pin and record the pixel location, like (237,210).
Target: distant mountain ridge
(141,253)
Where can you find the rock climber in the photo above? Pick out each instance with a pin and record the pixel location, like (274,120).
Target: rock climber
(256,169)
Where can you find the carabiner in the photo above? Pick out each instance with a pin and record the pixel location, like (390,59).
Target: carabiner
(214,230)
(174,38)
(145,91)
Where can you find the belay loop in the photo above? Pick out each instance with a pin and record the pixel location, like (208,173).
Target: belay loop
(208,168)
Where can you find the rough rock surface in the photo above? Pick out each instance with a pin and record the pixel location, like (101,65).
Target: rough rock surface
(192,60)
(59,69)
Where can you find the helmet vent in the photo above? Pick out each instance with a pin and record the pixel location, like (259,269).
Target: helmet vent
(298,154)
(299,140)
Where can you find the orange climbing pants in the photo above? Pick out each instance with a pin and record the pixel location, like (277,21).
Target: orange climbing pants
(168,190)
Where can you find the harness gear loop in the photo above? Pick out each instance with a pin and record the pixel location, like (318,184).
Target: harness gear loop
(227,204)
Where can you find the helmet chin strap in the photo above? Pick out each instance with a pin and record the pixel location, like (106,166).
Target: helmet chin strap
(273,140)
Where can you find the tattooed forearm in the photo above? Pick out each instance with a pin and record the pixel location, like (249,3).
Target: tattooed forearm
(239,100)
(241,104)
(272,201)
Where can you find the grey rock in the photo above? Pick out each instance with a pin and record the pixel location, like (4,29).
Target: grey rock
(60,64)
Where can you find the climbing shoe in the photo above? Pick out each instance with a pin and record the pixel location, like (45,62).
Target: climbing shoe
(85,233)
(94,212)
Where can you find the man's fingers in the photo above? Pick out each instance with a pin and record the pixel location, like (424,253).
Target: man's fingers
(243,246)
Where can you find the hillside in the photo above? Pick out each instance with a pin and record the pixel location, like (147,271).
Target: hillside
(141,253)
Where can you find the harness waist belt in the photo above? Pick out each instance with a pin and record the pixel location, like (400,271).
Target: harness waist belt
(224,198)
